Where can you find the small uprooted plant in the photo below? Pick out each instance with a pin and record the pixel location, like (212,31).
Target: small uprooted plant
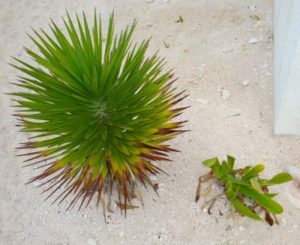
(244,189)
(98,111)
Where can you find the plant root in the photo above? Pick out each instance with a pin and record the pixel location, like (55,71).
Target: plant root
(203,178)
(210,203)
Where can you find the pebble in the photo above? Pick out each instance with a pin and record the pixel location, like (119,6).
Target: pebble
(245,83)
(112,206)
(153,178)
(253,7)
(295,172)
(225,94)
(292,188)
(91,242)
(227,50)
(241,228)
(201,101)
(36,184)
(195,81)
(283,221)
(253,40)
(149,24)
(264,66)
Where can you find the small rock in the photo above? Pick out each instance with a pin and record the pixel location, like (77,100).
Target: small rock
(255,17)
(225,94)
(35,183)
(195,81)
(258,24)
(121,233)
(283,221)
(241,228)
(253,40)
(253,7)
(202,101)
(153,178)
(292,190)
(111,207)
(91,242)
(295,172)
(227,50)
(245,83)
(264,66)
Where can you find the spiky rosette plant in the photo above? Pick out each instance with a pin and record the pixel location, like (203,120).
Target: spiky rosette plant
(99,112)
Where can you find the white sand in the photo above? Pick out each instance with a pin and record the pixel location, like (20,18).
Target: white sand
(224,59)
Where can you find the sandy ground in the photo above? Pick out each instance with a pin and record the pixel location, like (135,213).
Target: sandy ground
(222,53)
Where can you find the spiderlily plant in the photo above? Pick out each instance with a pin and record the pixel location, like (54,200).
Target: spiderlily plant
(244,188)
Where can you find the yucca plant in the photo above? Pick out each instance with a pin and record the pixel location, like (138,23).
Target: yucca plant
(244,188)
(97,110)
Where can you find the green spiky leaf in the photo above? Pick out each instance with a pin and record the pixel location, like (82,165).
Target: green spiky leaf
(100,109)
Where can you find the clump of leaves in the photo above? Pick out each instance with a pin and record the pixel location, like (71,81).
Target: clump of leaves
(244,188)
(100,111)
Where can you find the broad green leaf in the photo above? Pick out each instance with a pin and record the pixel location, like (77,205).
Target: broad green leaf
(254,171)
(262,199)
(211,162)
(232,180)
(255,184)
(231,191)
(224,167)
(230,162)
(271,194)
(243,209)
(278,179)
